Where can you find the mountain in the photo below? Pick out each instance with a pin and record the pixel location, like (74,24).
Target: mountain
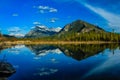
(80,27)
(17,35)
(3,37)
(8,36)
(77,26)
(42,31)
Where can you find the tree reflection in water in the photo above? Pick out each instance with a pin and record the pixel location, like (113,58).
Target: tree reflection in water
(78,52)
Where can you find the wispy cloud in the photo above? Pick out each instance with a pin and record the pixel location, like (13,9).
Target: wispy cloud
(109,5)
(46,9)
(15,14)
(113,19)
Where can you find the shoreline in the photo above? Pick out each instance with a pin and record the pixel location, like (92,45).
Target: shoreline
(53,42)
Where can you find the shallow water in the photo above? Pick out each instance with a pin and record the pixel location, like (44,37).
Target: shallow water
(63,62)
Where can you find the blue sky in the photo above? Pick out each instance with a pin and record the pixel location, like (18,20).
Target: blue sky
(19,16)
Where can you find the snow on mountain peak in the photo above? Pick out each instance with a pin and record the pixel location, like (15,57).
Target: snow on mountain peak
(56,29)
(44,28)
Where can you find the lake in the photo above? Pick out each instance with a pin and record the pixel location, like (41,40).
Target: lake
(63,62)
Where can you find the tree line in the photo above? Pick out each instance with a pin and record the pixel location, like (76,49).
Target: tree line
(74,36)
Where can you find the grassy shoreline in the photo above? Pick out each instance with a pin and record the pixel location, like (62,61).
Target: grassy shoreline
(54,42)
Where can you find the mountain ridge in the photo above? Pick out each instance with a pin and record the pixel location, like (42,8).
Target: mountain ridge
(41,31)
(81,27)
(78,26)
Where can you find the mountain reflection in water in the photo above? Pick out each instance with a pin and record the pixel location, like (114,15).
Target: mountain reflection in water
(77,52)
(64,62)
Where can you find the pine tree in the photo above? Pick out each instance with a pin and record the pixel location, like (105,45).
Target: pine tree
(0,34)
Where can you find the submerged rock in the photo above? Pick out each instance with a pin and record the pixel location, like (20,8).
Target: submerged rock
(6,69)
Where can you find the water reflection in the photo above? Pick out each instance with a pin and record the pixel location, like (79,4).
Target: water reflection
(42,50)
(77,52)
(64,62)
(46,71)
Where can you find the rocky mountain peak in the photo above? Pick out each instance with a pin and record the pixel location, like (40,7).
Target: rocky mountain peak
(80,27)
(42,31)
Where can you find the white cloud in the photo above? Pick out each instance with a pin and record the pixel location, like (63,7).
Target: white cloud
(43,7)
(46,9)
(53,20)
(15,15)
(113,19)
(36,23)
(53,10)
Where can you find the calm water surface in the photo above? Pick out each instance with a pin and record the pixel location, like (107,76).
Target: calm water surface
(63,62)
